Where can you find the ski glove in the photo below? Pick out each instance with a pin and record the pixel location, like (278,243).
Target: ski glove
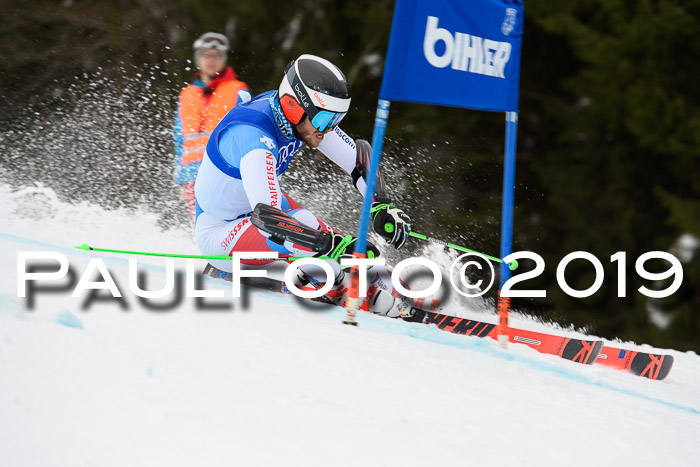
(392,224)
(337,246)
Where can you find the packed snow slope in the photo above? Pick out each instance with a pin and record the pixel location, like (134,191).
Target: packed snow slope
(273,381)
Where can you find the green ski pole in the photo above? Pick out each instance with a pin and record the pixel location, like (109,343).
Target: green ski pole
(87,247)
(512,265)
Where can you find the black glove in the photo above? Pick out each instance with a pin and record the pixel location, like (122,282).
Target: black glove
(391,223)
(337,246)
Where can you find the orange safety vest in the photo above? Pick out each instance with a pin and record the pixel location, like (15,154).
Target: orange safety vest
(200,111)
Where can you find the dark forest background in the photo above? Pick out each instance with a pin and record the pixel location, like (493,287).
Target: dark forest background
(608,137)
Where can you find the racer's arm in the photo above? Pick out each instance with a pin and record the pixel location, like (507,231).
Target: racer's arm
(389,222)
(342,150)
(255,155)
(259,177)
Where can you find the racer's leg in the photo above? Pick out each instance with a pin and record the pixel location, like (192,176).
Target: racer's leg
(221,238)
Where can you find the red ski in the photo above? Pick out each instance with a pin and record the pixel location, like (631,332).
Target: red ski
(576,350)
(652,366)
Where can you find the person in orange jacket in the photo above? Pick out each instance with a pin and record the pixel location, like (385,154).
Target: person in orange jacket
(215,90)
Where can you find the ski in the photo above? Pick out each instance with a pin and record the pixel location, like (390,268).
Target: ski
(575,350)
(647,365)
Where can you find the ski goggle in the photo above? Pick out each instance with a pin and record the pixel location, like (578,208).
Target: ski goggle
(212,41)
(324,120)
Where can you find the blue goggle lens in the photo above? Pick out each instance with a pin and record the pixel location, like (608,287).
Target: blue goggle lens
(324,120)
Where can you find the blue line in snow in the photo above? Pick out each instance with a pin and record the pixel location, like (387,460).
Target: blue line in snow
(485,346)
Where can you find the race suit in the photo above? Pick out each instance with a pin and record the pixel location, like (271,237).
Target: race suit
(246,155)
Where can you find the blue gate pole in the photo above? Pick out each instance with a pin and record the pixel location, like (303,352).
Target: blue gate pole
(380,122)
(352,304)
(507,221)
(508,192)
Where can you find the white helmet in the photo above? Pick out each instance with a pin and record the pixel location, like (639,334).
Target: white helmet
(315,87)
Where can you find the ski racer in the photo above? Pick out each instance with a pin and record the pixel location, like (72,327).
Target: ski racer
(245,157)
(215,90)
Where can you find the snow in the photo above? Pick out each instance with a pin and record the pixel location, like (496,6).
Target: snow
(277,382)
